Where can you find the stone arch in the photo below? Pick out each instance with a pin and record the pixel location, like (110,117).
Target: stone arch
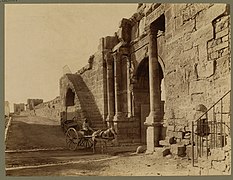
(78,101)
(162,65)
(142,92)
(139,63)
(142,74)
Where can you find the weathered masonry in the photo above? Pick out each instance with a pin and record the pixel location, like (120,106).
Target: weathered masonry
(18,108)
(148,78)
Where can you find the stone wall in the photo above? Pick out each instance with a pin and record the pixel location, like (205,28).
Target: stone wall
(197,59)
(218,163)
(50,109)
(7,109)
(129,131)
(194,56)
(94,80)
(18,108)
(31,103)
(84,104)
(89,85)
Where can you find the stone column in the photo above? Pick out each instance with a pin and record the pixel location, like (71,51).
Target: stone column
(129,95)
(110,89)
(153,121)
(117,80)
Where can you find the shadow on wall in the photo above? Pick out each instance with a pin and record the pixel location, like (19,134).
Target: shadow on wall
(88,105)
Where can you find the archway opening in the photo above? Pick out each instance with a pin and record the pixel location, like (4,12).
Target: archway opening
(142,94)
(69,98)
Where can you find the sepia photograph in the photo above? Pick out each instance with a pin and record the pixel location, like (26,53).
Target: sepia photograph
(117,89)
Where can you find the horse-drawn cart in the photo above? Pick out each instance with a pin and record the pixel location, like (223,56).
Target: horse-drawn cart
(75,135)
(76,138)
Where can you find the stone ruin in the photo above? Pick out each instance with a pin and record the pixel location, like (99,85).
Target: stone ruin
(148,78)
(31,103)
(18,108)
(49,109)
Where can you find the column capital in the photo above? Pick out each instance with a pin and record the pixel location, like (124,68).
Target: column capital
(117,55)
(108,58)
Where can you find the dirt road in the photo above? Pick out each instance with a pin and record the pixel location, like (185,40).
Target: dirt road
(97,165)
(35,143)
(36,147)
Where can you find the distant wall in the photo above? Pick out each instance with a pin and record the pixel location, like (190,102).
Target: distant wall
(31,103)
(18,108)
(50,109)
(7,108)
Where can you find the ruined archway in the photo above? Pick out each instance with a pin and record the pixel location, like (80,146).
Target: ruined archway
(78,101)
(142,94)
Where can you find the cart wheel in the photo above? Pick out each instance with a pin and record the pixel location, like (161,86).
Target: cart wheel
(72,139)
(86,142)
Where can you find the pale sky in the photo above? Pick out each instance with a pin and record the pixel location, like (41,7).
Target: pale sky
(41,39)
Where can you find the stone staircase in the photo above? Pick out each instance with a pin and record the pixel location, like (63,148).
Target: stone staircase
(87,101)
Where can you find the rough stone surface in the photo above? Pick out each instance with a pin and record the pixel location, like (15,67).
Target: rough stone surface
(18,108)
(164,143)
(140,149)
(179,150)
(166,151)
(217,154)
(7,108)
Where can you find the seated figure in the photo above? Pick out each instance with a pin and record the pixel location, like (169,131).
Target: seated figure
(86,128)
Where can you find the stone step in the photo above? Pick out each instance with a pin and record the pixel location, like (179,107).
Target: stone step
(177,149)
(164,143)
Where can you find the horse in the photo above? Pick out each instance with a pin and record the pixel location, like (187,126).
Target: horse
(103,136)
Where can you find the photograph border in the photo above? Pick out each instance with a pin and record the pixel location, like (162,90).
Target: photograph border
(2,66)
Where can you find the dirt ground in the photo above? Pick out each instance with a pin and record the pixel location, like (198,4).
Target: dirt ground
(28,134)
(34,132)
(146,165)
(120,165)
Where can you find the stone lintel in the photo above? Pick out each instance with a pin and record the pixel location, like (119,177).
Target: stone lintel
(154,15)
(122,48)
(118,46)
